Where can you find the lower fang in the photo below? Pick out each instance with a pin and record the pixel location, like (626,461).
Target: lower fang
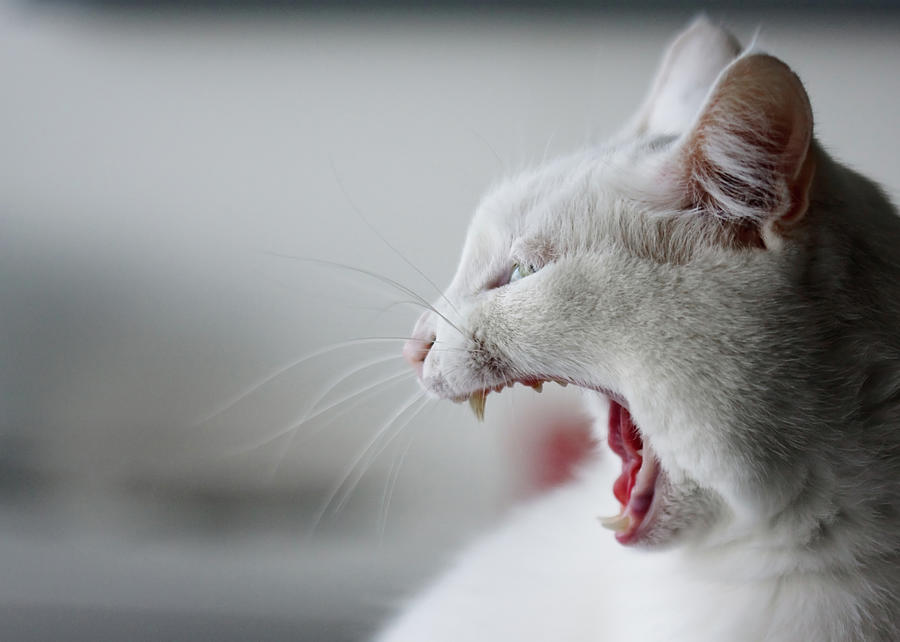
(476,403)
(618,523)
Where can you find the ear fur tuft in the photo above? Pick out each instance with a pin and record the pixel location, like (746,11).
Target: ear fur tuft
(748,158)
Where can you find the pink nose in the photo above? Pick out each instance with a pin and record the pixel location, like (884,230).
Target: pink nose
(415,351)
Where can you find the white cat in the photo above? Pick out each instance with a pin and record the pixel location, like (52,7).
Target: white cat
(735,294)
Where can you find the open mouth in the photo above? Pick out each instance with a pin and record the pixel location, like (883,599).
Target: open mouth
(635,487)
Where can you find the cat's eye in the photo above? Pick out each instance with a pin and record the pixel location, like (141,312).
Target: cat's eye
(521,270)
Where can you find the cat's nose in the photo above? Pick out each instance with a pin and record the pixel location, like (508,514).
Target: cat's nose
(416,350)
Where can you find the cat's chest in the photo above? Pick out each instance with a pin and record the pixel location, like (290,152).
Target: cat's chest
(552,573)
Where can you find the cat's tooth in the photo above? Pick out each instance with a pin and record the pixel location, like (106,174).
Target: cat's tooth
(618,523)
(563,383)
(476,403)
(539,386)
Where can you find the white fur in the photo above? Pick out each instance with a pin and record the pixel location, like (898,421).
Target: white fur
(759,356)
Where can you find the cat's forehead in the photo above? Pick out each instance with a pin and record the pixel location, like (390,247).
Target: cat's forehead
(522,199)
(577,195)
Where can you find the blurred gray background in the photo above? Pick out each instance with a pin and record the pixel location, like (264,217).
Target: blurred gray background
(169,467)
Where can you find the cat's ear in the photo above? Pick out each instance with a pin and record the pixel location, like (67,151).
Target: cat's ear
(689,68)
(748,158)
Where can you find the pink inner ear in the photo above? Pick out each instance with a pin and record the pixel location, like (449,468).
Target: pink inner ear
(748,159)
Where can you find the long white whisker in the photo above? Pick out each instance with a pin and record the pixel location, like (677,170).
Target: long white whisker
(332,494)
(503,165)
(331,385)
(295,424)
(400,375)
(389,487)
(373,454)
(384,279)
(343,410)
(402,288)
(375,231)
(391,483)
(335,382)
(281,370)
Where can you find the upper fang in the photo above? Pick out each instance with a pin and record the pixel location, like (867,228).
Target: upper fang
(476,402)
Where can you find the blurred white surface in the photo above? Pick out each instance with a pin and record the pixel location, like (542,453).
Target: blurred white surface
(152,169)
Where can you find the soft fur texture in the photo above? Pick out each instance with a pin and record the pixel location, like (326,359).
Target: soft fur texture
(714,271)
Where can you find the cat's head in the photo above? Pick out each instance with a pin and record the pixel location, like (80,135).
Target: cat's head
(665,271)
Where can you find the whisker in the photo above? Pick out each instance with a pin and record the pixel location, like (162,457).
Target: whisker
(281,370)
(345,408)
(336,489)
(384,309)
(375,231)
(391,483)
(295,424)
(403,288)
(334,404)
(393,473)
(384,279)
(421,304)
(394,304)
(334,383)
(331,385)
(373,455)
(490,147)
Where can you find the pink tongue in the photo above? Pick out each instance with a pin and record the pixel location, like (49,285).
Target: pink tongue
(625,442)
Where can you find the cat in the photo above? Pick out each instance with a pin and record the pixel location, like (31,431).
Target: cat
(728,296)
